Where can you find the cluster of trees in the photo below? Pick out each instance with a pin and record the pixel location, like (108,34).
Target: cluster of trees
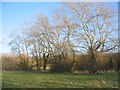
(104,62)
(9,62)
(76,37)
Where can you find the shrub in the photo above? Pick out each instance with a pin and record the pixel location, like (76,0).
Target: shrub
(9,63)
(61,65)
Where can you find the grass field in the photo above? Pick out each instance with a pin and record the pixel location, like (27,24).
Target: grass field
(0,79)
(56,80)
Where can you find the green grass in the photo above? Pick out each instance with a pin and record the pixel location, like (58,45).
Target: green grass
(0,79)
(57,80)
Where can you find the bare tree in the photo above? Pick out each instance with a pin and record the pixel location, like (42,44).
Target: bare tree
(87,28)
(19,46)
(94,28)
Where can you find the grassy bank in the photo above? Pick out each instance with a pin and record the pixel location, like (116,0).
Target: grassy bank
(56,80)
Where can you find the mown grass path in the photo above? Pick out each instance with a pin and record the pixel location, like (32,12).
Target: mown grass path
(56,80)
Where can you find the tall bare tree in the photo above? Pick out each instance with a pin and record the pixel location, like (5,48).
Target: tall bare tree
(94,28)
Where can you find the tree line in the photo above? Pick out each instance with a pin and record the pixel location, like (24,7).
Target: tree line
(78,36)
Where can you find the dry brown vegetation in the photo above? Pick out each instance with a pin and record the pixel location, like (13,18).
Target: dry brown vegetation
(80,37)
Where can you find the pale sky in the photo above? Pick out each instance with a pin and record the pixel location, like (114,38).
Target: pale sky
(17,14)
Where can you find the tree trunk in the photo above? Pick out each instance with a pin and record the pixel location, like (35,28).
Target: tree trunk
(44,66)
(92,62)
(45,61)
(74,62)
(37,64)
